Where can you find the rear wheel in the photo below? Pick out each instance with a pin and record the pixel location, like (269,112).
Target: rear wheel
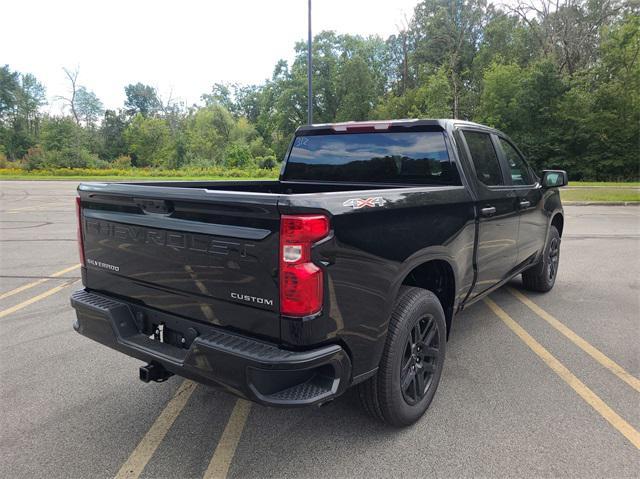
(542,276)
(412,361)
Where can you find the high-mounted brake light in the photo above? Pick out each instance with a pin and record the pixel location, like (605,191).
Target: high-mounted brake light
(79,230)
(300,279)
(362,127)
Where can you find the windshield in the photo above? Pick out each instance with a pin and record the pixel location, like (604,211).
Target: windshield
(398,157)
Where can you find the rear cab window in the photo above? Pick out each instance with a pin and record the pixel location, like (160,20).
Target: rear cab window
(417,157)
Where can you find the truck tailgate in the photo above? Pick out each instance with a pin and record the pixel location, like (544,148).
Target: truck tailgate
(206,255)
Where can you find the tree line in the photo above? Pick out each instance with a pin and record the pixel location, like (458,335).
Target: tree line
(561,77)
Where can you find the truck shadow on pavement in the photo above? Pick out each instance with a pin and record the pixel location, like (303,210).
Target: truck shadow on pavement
(341,428)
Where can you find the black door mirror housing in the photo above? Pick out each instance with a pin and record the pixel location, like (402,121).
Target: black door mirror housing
(554,178)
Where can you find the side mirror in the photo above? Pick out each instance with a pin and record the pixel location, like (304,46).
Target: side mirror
(554,178)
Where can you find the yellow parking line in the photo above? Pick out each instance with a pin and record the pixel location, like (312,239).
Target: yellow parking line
(591,398)
(592,351)
(26,303)
(152,439)
(40,281)
(223,455)
(24,208)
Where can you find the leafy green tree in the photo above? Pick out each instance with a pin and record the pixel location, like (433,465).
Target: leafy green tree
(88,106)
(505,39)
(112,135)
(208,133)
(600,113)
(524,102)
(356,90)
(238,156)
(249,102)
(63,143)
(9,87)
(30,97)
(242,132)
(220,94)
(61,133)
(562,78)
(501,97)
(445,34)
(148,141)
(141,99)
(432,99)
(21,97)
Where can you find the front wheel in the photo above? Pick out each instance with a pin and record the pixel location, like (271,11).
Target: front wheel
(542,276)
(412,361)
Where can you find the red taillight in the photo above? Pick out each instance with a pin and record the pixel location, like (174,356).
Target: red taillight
(300,280)
(80,241)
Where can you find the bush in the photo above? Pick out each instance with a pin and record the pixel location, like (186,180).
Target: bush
(100,163)
(199,164)
(72,158)
(238,156)
(123,161)
(190,171)
(4,163)
(34,159)
(267,162)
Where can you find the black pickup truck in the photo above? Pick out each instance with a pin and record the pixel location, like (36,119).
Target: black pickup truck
(346,271)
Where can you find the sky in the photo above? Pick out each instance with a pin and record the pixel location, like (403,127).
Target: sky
(180,47)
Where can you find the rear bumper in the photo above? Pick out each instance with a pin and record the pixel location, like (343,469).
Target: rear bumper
(249,368)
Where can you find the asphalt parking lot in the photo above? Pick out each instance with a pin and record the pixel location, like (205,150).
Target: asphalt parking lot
(534,385)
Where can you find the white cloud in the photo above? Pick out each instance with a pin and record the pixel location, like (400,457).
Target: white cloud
(183,47)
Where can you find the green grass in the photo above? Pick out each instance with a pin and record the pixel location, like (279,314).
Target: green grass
(128,174)
(608,191)
(125,178)
(617,184)
(600,195)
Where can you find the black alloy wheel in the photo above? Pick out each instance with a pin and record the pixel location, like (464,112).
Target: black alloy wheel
(412,361)
(542,276)
(554,257)
(420,360)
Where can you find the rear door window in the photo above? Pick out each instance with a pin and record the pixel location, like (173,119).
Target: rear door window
(484,158)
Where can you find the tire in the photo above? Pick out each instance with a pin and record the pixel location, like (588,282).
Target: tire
(542,276)
(399,395)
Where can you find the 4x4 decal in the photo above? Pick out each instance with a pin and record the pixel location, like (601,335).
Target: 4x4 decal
(357,203)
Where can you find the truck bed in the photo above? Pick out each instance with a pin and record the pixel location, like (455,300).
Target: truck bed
(269,186)
(200,249)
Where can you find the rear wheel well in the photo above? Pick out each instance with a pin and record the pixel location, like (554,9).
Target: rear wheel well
(437,277)
(558,222)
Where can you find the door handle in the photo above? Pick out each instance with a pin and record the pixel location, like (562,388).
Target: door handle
(525,203)
(488,211)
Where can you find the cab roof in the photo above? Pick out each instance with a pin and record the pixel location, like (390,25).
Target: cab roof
(382,125)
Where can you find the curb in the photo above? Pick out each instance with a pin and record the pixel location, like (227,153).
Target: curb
(612,187)
(601,203)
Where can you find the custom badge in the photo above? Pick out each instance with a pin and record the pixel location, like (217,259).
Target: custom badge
(357,203)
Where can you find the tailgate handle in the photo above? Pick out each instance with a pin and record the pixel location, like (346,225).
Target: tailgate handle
(155,207)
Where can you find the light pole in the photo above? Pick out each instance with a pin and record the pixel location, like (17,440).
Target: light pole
(309,71)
